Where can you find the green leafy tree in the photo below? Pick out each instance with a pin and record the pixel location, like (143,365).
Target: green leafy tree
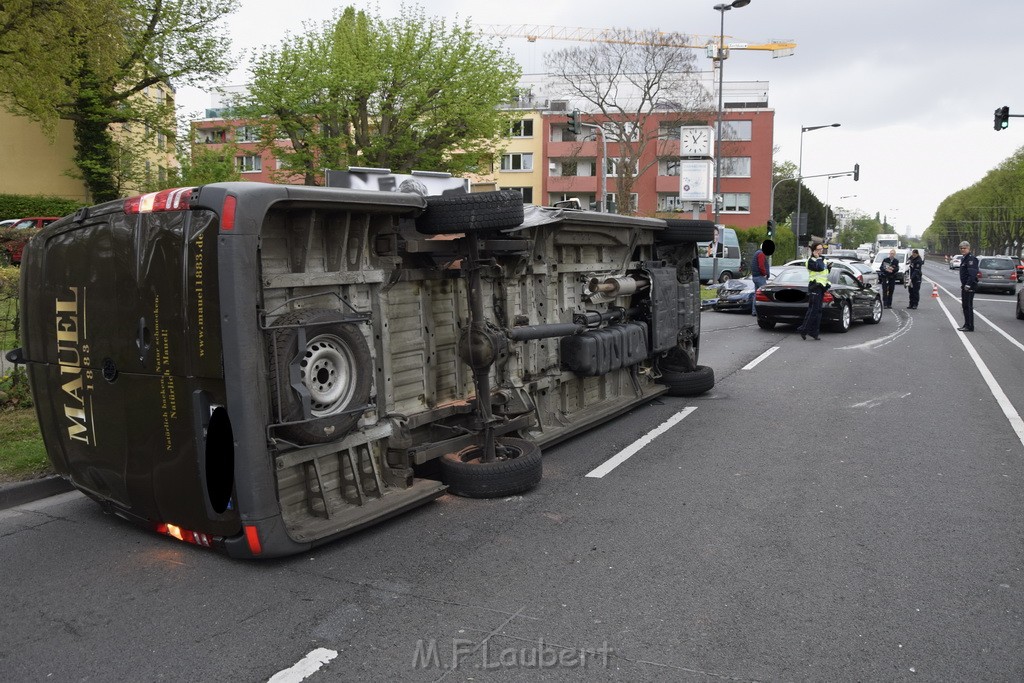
(93,61)
(406,93)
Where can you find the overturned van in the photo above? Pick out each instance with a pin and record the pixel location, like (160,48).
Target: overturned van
(263,368)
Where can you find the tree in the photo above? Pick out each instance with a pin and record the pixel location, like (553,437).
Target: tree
(360,90)
(626,83)
(93,62)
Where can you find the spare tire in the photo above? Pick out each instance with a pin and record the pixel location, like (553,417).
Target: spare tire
(478,212)
(335,369)
(680,230)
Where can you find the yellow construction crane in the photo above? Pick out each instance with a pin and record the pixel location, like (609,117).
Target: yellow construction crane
(778,48)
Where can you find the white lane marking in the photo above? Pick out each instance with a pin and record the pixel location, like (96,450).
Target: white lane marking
(1004,403)
(631,450)
(751,364)
(305,667)
(991,324)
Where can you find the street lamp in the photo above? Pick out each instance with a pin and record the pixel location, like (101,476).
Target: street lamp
(721,9)
(800,175)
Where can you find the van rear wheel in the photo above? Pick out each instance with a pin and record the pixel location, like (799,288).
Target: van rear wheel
(693,383)
(517,468)
(333,368)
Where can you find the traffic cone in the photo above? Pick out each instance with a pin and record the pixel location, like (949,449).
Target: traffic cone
(935,291)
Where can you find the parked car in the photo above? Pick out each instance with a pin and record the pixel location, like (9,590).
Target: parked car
(954,262)
(784,300)
(14,237)
(7,223)
(997,273)
(738,294)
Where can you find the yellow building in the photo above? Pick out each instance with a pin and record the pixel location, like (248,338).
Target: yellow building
(33,164)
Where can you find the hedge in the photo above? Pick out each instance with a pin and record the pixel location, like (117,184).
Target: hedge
(22,206)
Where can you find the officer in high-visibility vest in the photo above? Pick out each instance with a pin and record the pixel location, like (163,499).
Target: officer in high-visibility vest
(817,275)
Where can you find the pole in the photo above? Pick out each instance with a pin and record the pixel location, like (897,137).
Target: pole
(718,129)
(799,186)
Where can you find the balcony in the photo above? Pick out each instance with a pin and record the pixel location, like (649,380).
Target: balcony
(572,183)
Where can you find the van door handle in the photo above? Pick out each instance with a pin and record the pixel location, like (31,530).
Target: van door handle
(142,341)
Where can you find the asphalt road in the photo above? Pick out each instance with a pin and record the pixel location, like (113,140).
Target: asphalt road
(847,509)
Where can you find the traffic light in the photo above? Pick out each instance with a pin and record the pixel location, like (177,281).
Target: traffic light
(1002,118)
(771,228)
(575,125)
(856,171)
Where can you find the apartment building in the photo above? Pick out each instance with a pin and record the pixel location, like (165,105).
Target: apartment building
(550,164)
(255,163)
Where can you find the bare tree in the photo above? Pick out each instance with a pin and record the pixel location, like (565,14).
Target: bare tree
(626,81)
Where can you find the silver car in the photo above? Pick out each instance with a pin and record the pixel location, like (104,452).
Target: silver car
(997,273)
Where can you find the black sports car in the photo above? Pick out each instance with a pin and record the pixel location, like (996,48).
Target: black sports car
(784,300)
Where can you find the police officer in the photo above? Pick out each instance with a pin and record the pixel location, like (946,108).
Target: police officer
(887,275)
(968,283)
(817,275)
(915,264)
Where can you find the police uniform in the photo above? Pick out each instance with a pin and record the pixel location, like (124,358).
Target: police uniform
(887,274)
(817,276)
(968,284)
(915,264)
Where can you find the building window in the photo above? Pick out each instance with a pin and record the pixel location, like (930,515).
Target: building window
(249,163)
(247,134)
(614,165)
(522,129)
(670,202)
(668,167)
(527,193)
(634,199)
(736,202)
(517,161)
(736,130)
(161,141)
(161,174)
(735,167)
(628,131)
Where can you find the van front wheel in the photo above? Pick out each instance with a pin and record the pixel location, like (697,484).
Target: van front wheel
(333,368)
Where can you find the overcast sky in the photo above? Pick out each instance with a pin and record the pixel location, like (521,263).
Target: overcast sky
(913,82)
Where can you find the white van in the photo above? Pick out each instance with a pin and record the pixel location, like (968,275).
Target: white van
(720,259)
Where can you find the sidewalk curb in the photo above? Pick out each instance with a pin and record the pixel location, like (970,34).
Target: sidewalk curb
(21,492)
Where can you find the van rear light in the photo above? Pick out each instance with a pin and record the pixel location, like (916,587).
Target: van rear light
(760,296)
(176,199)
(252,536)
(193,537)
(227,213)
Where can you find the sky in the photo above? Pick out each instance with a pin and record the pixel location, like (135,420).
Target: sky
(913,83)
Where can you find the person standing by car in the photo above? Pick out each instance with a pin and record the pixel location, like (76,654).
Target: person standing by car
(887,276)
(761,270)
(915,265)
(968,283)
(817,276)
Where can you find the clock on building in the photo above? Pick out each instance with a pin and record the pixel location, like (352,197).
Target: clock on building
(695,141)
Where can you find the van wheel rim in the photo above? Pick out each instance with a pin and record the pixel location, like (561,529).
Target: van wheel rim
(327,373)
